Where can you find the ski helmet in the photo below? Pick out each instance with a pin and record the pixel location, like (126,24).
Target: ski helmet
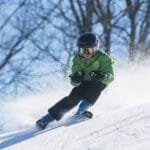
(88,43)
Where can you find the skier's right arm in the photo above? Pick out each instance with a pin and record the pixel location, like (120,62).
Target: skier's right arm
(76,75)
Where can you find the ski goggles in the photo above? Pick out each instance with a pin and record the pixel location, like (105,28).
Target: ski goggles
(86,51)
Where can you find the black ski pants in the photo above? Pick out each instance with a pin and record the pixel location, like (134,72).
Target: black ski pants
(87,90)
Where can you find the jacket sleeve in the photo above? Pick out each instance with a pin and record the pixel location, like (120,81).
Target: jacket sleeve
(107,69)
(75,68)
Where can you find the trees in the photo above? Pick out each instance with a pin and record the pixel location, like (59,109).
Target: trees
(144,32)
(107,18)
(19,27)
(138,15)
(38,37)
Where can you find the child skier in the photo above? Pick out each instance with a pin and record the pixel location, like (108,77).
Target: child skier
(92,71)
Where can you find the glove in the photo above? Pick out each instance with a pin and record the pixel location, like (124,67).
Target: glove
(78,77)
(97,75)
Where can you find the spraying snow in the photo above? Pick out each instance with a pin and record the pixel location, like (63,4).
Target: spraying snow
(130,88)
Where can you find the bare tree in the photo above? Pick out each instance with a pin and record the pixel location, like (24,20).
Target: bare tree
(144,32)
(38,37)
(132,26)
(105,15)
(137,26)
(82,12)
(133,7)
(18,54)
(74,18)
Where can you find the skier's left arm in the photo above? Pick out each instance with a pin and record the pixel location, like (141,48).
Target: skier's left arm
(107,69)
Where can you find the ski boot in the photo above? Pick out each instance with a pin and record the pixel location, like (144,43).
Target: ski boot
(87,114)
(44,121)
(82,111)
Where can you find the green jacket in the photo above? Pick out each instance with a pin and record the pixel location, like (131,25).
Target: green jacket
(101,62)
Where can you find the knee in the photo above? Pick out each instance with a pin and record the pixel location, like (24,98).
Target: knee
(69,102)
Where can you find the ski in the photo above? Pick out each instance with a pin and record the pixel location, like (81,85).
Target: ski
(76,118)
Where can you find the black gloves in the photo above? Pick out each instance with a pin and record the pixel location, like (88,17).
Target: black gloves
(77,78)
(97,75)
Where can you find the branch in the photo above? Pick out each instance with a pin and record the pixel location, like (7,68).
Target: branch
(12,14)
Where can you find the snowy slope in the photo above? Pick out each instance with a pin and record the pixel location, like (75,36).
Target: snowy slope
(127,129)
(121,118)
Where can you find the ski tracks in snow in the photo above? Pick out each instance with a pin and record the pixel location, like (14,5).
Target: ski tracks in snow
(114,130)
(26,134)
(117,135)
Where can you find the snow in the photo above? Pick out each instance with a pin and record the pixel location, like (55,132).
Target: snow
(108,131)
(121,119)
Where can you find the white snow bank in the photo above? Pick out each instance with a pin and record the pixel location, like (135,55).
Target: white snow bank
(130,88)
(126,129)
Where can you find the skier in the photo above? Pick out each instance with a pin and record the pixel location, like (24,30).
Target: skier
(92,71)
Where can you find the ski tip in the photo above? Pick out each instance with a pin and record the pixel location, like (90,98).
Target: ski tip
(88,114)
(40,126)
